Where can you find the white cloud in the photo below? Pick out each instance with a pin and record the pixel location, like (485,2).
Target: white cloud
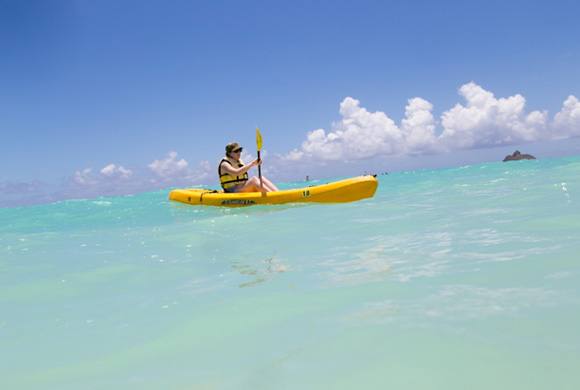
(112,180)
(204,170)
(362,134)
(116,179)
(419,126)
(359,134)
(567,121)
(116,171)
(483,121)
(174,172)
(83,178)
(294,155)
(169,168)
(109,175)
(486,121)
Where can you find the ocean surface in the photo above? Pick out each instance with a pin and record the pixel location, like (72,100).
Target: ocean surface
(462,278)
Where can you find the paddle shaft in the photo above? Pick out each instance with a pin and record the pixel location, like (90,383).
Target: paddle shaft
(259,144)
(260,170)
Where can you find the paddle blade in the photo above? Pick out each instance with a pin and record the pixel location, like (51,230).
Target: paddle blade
(258,139)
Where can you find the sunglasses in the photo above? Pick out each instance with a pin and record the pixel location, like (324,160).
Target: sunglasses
(237,150)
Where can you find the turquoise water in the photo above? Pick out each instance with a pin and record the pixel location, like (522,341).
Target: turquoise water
(446,279)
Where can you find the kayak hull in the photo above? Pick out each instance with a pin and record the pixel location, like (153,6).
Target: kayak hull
(343,191)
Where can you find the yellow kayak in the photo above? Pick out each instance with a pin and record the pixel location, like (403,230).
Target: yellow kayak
(348,190)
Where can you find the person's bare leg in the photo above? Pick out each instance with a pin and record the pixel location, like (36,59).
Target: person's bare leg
(252,185)
(269,185)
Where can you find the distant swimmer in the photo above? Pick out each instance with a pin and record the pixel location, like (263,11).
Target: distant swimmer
(233,173)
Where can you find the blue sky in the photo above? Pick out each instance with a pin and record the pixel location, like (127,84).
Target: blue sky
(101,98)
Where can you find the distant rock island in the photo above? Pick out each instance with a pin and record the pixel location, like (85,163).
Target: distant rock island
(518,156)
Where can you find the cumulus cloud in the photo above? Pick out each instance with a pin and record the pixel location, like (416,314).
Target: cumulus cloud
(482,121)
(362,134)
(486,121)
(83,178)
(203,170)
(112,180)
(110,174)
(294,155)
(115,180)
(567,121)
(170,169)
(161,173)
(117,171)
(359,134)
(419,126)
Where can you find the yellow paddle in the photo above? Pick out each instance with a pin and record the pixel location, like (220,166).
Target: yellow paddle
(259,143)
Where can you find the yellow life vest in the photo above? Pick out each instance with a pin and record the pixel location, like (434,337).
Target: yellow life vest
(227,180)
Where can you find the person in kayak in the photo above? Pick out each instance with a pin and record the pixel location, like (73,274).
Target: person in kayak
(233,173)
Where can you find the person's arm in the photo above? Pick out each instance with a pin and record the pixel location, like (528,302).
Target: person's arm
(239,171)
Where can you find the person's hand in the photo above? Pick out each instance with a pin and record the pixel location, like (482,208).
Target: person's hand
(257,161)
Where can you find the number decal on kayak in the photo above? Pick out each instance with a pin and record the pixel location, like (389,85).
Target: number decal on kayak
(305,193)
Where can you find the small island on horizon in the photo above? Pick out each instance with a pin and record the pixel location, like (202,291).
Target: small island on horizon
(518,156)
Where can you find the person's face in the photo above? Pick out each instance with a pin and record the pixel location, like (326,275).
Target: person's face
(237,153)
